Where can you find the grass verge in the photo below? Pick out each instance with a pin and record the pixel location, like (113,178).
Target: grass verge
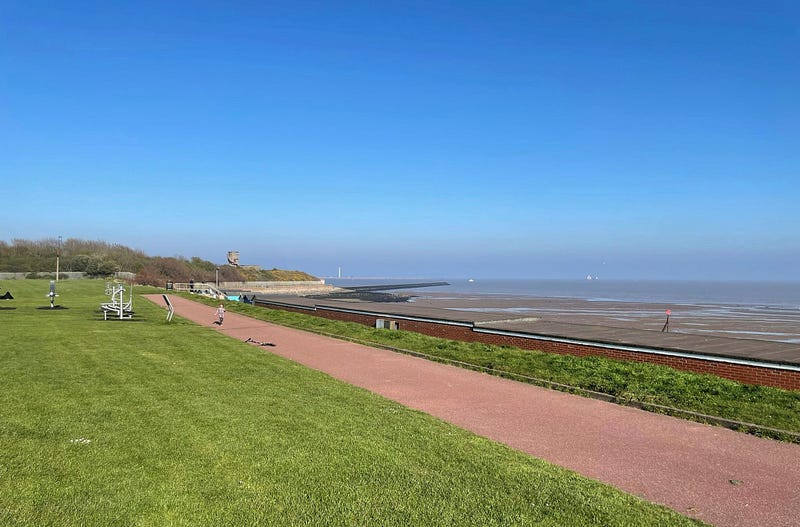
(144,423)
(626,381)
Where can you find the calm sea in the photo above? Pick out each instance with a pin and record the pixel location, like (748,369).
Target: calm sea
(767,294)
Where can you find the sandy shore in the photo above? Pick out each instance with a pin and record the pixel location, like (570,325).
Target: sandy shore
(724,320)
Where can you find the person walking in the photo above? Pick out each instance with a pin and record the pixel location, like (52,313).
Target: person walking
(220,314)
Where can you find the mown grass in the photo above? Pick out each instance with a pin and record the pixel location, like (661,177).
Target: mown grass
(647,383)
(147,423)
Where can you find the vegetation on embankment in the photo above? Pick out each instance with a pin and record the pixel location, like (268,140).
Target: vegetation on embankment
(274,275)
(146,423)
(99,259)
(628,381)
(95,258)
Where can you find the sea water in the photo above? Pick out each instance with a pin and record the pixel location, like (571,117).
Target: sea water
(753,310)
(745,293)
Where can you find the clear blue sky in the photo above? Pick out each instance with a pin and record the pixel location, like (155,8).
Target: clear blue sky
(625,139)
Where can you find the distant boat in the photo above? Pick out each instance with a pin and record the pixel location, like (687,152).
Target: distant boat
(471,280)
(589,277)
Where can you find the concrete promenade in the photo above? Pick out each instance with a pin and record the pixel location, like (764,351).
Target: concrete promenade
(750,361)
(719,476)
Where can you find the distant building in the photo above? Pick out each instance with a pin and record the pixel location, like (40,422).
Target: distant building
(233,259)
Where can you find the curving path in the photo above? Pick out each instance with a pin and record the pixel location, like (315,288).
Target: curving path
(719,476)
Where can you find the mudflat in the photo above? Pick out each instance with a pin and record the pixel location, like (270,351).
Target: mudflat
(721,320)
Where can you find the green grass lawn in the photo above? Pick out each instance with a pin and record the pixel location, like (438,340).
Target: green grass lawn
(644,382)
(147,423)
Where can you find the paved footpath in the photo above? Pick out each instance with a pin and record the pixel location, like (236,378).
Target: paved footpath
(719,476)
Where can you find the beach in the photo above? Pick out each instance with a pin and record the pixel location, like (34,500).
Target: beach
(768,311)
(752,341)
(770,323)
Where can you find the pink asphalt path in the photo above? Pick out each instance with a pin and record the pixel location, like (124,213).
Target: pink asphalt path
(719,476)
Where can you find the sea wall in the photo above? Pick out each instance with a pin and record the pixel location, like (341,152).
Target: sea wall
(298,287)
(747,372)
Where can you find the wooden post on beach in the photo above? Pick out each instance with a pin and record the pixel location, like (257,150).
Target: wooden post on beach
(666,324)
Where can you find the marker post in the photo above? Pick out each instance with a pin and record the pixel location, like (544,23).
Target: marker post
(666,324)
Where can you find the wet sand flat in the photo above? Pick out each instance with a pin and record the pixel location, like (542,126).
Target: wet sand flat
(721,320)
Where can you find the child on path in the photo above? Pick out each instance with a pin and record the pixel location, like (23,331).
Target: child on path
(220,314)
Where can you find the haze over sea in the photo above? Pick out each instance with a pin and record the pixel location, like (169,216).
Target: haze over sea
(749,293)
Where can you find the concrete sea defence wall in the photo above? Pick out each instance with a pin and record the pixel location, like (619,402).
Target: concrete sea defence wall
(280,288)
(748,372)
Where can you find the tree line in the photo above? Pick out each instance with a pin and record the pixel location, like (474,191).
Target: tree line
(102,259)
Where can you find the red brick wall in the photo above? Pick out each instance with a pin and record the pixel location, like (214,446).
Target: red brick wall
(786,379)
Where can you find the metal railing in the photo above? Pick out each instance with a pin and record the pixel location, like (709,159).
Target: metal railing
(200,288)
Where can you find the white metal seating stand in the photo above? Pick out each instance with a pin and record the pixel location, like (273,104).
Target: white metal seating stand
(117,308)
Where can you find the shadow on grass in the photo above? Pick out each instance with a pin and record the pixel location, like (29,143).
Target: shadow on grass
(117,319)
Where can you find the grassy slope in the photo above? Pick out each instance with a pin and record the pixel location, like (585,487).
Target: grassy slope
(281,275)
(144,423)
(651,383)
